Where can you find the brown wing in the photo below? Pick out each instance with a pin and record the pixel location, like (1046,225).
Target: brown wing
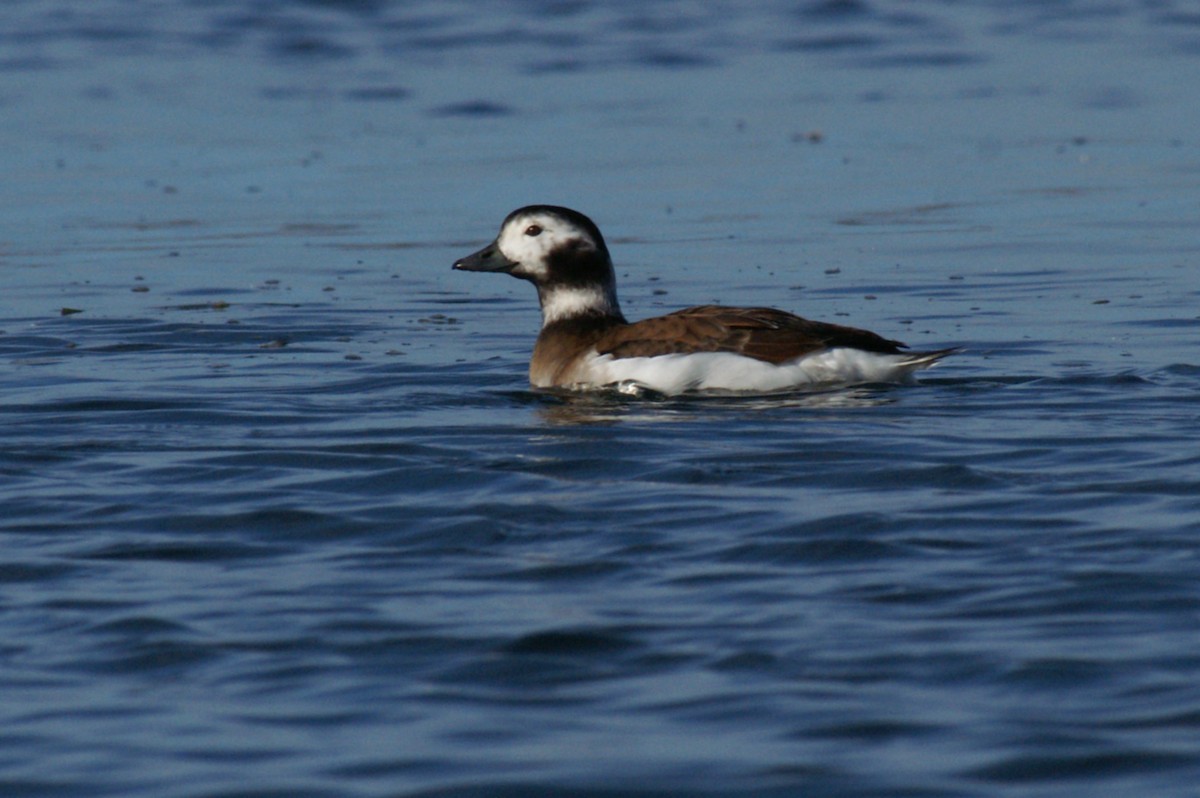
(761,333)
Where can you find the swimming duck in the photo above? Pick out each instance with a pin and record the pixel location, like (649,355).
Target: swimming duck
(586,343)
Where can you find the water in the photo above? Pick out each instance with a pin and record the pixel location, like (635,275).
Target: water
(282,517)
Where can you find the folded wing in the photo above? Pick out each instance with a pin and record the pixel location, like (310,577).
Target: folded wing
(766,334)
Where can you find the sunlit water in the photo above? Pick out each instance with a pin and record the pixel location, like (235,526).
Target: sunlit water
(281,516)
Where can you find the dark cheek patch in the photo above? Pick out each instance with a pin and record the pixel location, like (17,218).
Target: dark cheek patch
(574,263)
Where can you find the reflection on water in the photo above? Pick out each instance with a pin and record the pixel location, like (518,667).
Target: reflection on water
(601,407)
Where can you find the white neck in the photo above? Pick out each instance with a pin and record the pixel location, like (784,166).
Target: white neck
(575,301)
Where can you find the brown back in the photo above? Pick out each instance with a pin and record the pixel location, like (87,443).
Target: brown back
(774,336)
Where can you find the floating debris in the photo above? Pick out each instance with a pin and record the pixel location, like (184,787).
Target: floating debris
(438,318)
(220,304)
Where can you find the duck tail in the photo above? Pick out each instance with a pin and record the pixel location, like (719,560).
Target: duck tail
(923,360)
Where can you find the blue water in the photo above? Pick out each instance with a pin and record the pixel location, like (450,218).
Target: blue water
(280,516)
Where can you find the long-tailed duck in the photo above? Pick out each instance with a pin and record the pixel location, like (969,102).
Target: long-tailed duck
(586,343)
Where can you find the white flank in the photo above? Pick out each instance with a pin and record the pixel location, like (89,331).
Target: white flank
(725,371)
(573,302)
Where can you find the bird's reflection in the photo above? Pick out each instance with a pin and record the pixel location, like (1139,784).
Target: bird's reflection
(610,407)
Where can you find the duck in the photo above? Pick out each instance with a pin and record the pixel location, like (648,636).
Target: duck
(586,343)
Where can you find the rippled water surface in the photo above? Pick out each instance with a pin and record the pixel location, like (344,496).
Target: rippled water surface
(281,516)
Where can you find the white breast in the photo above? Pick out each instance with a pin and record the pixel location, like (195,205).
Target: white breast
(725,371)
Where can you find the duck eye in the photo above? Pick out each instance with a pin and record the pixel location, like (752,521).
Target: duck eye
(533,230)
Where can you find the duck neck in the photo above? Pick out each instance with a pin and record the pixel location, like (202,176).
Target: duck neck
(594,301)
